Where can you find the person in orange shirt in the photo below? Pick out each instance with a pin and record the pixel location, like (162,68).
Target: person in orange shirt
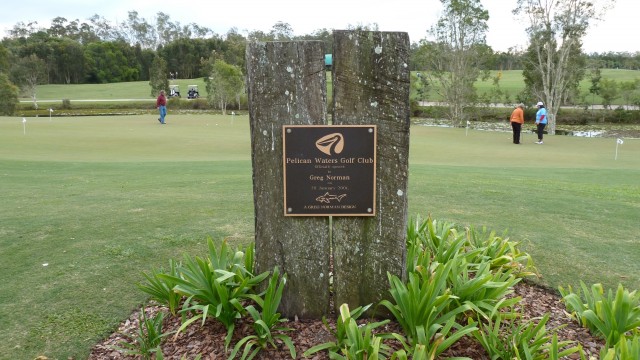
(517,119)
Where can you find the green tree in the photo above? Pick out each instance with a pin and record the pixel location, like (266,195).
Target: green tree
(108,62)
(4,59)
(8,96)
(224,84)
(184,56)
(139,31)
(419,87)
(158,79)
(554,63)
(608,92)
(594,89)
(281,31)
(28,73)
(458,54)
(69,61)
(630,91)
(235,45)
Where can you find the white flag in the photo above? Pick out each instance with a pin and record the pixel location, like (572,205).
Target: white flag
(24,120)
(620,141)
(468,123)
(50,110)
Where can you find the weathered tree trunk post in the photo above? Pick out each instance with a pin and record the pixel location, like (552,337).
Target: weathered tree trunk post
(371,86)
(287,86)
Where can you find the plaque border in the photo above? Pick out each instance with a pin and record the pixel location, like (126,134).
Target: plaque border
(284,169)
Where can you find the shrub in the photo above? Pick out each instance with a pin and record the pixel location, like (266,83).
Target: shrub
(8,96)
(612,316)
(351,339)
(510,338)
(423,308)
(265,321)
(625,349)
(148,337)
(161,288)
(215,286)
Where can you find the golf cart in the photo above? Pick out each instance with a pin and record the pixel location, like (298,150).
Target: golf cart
(192,92)
(174,91)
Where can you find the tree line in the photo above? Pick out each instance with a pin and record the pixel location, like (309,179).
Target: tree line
(98,51)
(455,55)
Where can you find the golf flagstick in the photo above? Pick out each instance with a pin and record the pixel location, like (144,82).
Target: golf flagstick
(618,143)
(24,126)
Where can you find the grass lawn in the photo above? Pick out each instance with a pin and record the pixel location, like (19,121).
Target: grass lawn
(511,82)
(91,202)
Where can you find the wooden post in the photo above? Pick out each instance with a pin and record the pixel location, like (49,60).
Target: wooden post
(287,86)
(371,86)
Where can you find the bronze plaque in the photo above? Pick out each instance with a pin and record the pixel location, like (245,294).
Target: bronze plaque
(329,170)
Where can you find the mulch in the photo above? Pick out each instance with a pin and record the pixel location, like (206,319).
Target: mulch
(208,340)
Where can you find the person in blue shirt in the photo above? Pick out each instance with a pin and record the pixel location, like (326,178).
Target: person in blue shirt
(541,120)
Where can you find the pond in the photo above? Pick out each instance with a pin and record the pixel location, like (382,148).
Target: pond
(591,130)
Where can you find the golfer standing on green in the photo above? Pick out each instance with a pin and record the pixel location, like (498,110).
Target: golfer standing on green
(161,104)
(541,120)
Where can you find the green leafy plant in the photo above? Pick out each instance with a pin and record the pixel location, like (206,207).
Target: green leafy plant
(480,288)
(419,353)
(344,334)
(475,278)
(354,342)
(161,288)
(625,349)
(611,317)
(423,309)
(503,254)
(510,338)
(266,322)
(148,337)
(215,287)
(362,343)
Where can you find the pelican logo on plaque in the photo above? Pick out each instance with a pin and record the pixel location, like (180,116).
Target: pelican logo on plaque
(329,170)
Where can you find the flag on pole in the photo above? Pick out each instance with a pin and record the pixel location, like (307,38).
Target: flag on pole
(619,141)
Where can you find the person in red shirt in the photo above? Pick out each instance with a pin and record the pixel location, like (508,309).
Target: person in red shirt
(517,119)
(161,105)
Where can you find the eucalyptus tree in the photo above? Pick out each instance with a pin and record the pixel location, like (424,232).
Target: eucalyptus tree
(158,79)
(457,55)
(224,84)
(138,31)
(22,30)
(281,31)
(235,45)
(103,29)
(28,73)
(554,64)
(68,58)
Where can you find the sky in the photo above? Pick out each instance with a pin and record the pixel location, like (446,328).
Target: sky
(616,32)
